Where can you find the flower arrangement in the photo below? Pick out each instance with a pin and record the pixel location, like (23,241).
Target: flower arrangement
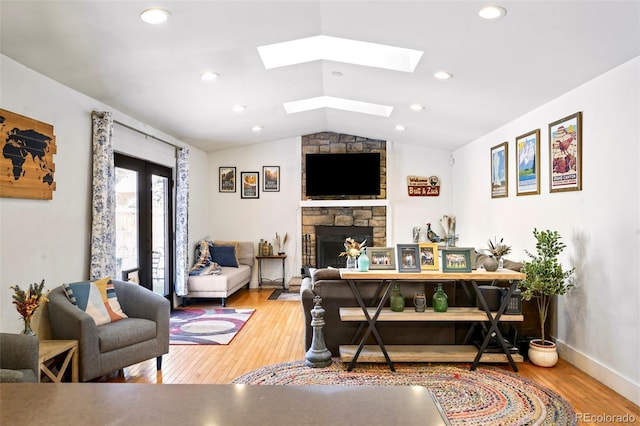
(448,224)
(498,249)
(352,248)
(27,302)
(281,242)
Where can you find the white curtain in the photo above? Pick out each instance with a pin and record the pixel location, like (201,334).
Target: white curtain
(103,233)
(182,224)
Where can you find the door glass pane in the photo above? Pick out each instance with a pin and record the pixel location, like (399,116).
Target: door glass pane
(126,220)
(159,219)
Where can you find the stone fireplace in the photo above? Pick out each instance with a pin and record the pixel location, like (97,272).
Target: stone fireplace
(330,243)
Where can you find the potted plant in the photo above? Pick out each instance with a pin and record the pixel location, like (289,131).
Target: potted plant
(545,278)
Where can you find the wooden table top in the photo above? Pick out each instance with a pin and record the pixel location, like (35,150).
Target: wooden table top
(477,274)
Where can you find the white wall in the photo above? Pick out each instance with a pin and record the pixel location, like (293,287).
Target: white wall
(598,322)
(50,239)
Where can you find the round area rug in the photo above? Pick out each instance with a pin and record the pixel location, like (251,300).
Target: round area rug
(487,396)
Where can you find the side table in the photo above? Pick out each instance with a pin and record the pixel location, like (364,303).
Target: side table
(49,350)
(262,280)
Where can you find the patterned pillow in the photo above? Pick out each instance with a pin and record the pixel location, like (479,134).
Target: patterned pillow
(97,298)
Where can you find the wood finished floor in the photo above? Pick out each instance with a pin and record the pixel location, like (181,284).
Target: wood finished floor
(275,334)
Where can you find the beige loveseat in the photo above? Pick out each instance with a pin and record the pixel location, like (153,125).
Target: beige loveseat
(229,280)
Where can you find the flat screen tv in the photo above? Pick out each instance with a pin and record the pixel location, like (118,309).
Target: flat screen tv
(343,174)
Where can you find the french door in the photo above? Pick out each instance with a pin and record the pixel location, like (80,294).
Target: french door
(144,222)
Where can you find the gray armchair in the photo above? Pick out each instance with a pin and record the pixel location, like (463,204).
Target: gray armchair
(110,347)
(19,358)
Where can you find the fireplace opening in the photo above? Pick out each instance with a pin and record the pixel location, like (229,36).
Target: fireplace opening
(330,243)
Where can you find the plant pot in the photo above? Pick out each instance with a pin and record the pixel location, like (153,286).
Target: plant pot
(543,355)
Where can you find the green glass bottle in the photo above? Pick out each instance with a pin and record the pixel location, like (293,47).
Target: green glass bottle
(440,302)
(396,299)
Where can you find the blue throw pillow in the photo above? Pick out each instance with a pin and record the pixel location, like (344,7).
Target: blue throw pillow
(225,256)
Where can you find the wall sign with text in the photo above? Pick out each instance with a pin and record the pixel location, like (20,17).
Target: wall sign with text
(419,186)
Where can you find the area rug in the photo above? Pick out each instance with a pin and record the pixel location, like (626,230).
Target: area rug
(217,326)
(279,294)
(486,396)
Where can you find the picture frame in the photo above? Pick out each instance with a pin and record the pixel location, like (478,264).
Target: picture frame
(429,258)
(565,154)
(473,256)
(456,260)
(250,182)
(271,178)
(226,179)
(408,258)
(528,163)
(499,170)
(381,257)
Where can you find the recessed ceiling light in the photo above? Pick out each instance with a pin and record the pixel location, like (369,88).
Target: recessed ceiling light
(209,76)
(256,128)
(400,128)
(337,103)
(443,75)
(239,108)
(155,16)
(492,12)
(416,107)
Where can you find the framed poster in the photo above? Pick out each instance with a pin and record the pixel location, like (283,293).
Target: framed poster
(528,163)
(250,184)
(227,179)
(429,256)
(565,154)
(271,178)
(381,257)
(499,171)
(408,258)
(456,260)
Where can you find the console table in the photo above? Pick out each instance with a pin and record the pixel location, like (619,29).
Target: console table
(428,353)
(262,280)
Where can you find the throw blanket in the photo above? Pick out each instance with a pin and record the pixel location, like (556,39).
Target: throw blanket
(204,265)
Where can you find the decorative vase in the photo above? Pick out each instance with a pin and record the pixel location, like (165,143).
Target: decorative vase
(440,300)
(543,355)
(490,264)
(500,263)
(420,302)
(363,262)
(27,327)
(397,300)
(352,262)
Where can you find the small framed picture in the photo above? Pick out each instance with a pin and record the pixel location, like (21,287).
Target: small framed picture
(271,178)
(565,154)
(456,260)
(250,182)
(528,163)
(499,171)
(473,256)
(227,179)
(381,257)
(429,257)
(408,258)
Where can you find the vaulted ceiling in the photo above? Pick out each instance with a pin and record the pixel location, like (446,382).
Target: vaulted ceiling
(501,68)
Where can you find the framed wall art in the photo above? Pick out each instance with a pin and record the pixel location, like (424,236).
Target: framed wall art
(227,179)
(271,178)
(408,258)
(456,260)
(250,182)
(528,163)
(565,154)
(381,257)
(429,256)
(499,170)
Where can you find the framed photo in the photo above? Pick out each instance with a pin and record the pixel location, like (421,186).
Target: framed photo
(528,163)
(250,182)
(429,256)
(381,257)
(456,260)
(408,258)
(499,171)
(271,178)
(227,179)
(473,256)
(565,154)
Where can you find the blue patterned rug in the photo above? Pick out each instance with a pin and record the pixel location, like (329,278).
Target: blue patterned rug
(216,326)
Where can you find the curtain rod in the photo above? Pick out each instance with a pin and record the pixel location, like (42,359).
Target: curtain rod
(138,131)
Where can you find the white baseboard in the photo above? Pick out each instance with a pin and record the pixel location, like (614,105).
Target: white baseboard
(600,372)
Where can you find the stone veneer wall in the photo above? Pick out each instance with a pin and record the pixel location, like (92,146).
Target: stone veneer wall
(374,216)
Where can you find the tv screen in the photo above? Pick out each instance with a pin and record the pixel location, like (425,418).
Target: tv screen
(343,174)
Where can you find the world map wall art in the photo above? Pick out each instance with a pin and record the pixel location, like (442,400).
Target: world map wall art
(26,163)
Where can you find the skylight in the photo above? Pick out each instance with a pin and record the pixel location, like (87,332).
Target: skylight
(337,103)
(340,50)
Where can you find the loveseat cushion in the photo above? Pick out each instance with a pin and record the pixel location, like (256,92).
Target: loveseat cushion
(126,332)
(228,278)
(17,376)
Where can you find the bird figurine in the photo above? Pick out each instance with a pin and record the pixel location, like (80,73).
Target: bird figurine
(432,236)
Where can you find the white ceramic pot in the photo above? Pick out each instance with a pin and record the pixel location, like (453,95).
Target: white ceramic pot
(543,355)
